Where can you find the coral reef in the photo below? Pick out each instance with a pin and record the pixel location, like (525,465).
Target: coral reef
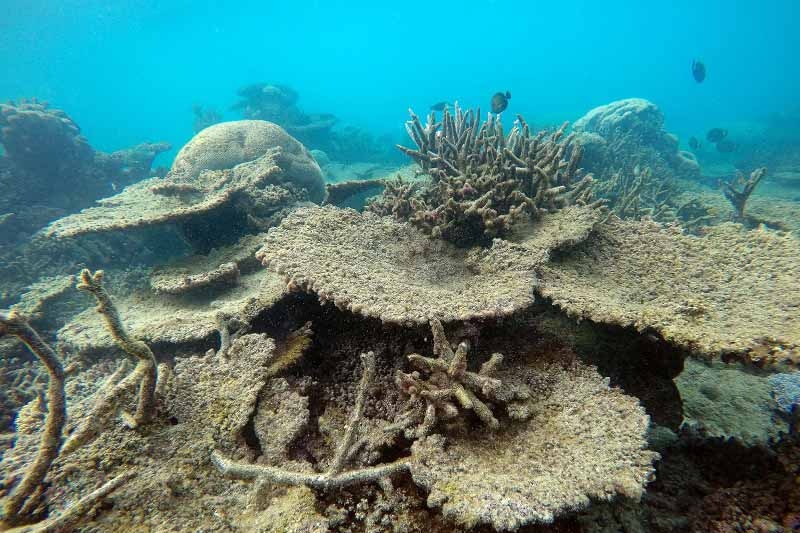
(377,267)
(481,181)
(49,169)
(729,293)
(203,118)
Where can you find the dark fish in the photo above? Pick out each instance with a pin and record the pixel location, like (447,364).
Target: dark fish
(715,135)
(725,146)
(694,144)
(698,71)
(439,106)
(500,102)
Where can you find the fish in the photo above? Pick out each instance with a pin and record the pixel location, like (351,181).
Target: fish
(500,102)
(715,135)
(694,144)
(439,106)
(726,146)
(698,71)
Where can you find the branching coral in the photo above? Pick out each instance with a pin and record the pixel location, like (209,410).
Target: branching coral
(15,507)
(738,198)
(449,386)
(483,181)
(336,475)
(146,368)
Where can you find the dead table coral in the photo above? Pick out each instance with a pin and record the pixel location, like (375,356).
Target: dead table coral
(482,181)
(579,441)
(378,267)
(729,293)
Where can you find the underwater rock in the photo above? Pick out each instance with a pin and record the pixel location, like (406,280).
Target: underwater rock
(786,391)
(722,400)
(378,267)
(626,133)
(583,441)
(729,293)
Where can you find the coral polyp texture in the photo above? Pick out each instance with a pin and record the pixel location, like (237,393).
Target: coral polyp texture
(729,293)
(378,267)
(482,181)
(581,441)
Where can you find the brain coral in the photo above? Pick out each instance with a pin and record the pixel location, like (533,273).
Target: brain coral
(228,144)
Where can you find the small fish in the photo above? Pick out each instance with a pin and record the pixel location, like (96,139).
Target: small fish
(439,106)
(694,144)
(698,71)
(500,102)
(726,146)
(715,135)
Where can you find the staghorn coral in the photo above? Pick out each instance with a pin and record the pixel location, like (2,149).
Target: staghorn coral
(375,266)
(17,507)
(483,182)
(449,386)
(579,440)
(728,293)
(145,370)
(336,475)
(738,198)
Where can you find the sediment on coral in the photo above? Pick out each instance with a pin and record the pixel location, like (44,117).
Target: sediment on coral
(728,293)
(378,267)
(482,182)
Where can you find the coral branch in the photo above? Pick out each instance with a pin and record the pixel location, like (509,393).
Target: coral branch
(738,198)
(334,477)
(146,368)
(14,324)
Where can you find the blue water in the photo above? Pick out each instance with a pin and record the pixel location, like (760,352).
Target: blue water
(130,71)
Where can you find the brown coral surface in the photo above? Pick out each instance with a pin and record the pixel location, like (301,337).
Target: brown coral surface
(378,267)
(581,441)
(729,293)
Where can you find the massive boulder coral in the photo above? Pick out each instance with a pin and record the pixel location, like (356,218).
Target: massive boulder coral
(623,134)
(228,144)
(482,182)
(728,293)
(378,267)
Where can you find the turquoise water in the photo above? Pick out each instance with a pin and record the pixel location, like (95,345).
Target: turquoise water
(130,71)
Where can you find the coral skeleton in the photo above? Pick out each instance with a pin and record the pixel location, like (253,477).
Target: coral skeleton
(449,387)
(483,181)
(144,375)
(18,506)
(739,190)
(336,475)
